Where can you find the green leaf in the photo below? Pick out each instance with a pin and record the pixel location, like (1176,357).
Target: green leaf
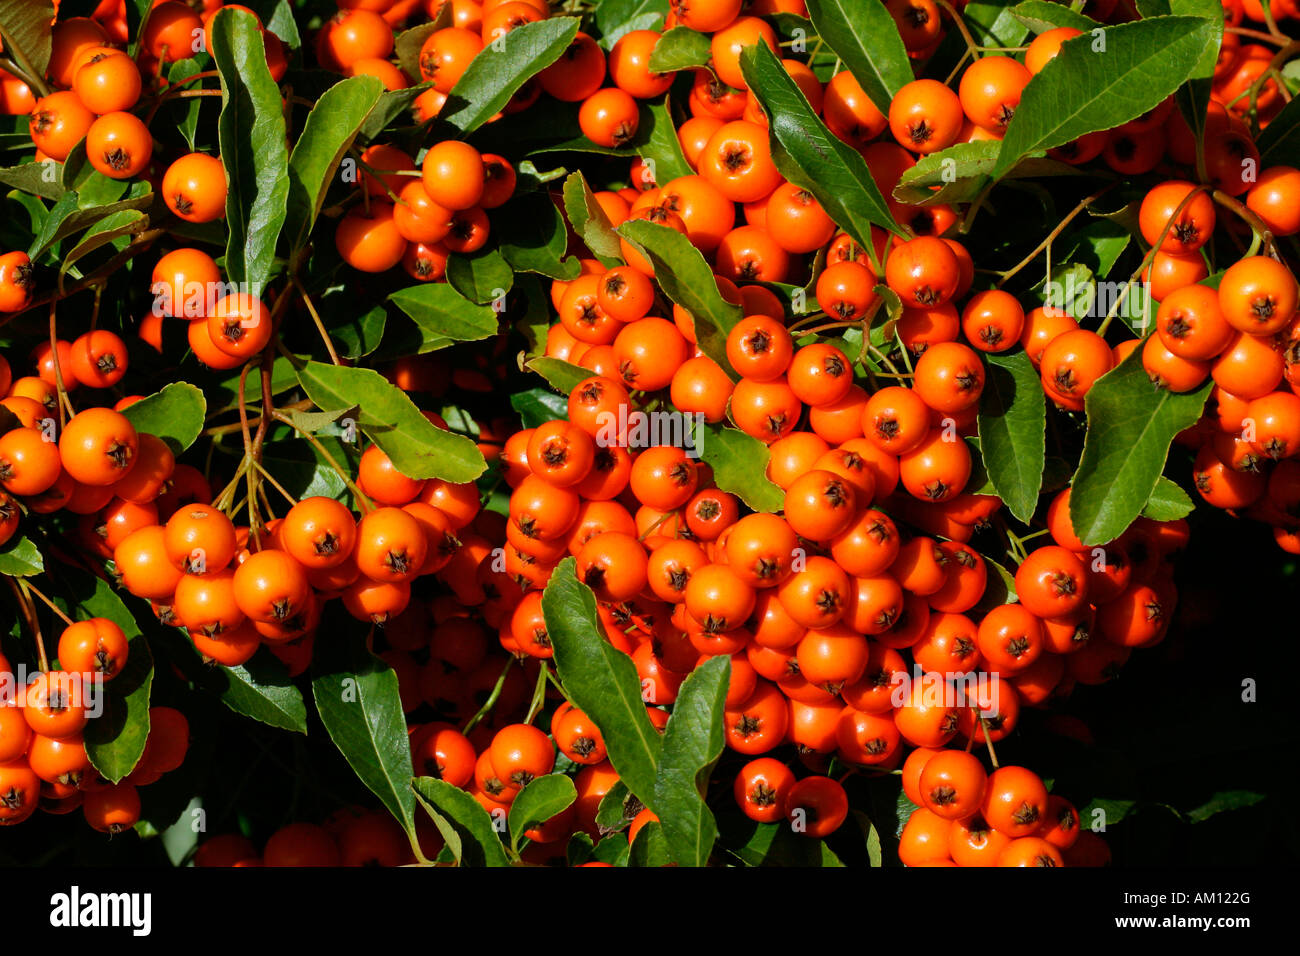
(810,156)
(692,743)
(617,17)
(1279,141)
(1131,424)
(251,135)
(496,75)
(356,695)
(19,558)
(175,414)
(186,108)
(1168,502)
(999,589)
(1084,89)
(955,174)
(617,809)
(542,799)
(418,448)
(481,277)
(686,278)
(681,48)
(460,817)
(327,134)
(864,35)
(282,24)
(260,688)
(532,237)
(444,315)
(39,179)
(127,222)
(67,216)
(589,220)
(27,25)
(1224,801)
(1043,15)
(657,143)
(536,406)
(116,738)
(562,375)
(409,42)
(601,680)
(1012,422)
(391,105)
(739,464)
(650,848)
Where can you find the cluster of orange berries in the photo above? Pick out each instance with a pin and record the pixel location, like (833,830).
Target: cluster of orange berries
(43,760)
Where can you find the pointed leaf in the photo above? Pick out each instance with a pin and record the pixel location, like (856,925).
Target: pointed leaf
(692,743)
(681,48)
(418,448)
(810,156)
(330,128)
(495,74)
(115,739)
(589,220)
(466,818)
(261,688)
(356,695)
(1012,422)
(1168,502)
(20,558)
(601,680)
(251,135)
(1099,81)
(444,316)
(864,35)
(1131,425)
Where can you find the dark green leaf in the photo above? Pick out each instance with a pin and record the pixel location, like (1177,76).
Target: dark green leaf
(464,820)
(810,156)
(116,738)
(692,743)
(1087,87)
(481,277)
(251,134)
(187,108)
(739,464)
(536,406)
(617,808)
(864,35)
(686,278)
(391,105)
(681,48)
(67,216)
(261,689)
(657,143)
(1131,424)
(27,25)
(1043,15)
(532,237)
(600,680)
(444,315)
(589,220)
(418,448)
(542,799)
(39,179)
(356,695)
(495,74)
(1012,419)
(1279,141)
(19,558)
(562,375)
(175,414)
(617,17)
(409,42)
(650,848)
(327,134)
(1168,502)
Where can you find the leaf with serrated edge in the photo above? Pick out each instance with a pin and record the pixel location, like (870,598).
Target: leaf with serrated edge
(739,463)
(175,414)
(480,845)
(1082,90)
(865,36)
(540,800)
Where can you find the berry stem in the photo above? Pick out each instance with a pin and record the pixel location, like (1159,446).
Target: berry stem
(362,501)
(33,589)
(1046,244)
(492,698)
(19,587)
(984,726)
(315,317)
